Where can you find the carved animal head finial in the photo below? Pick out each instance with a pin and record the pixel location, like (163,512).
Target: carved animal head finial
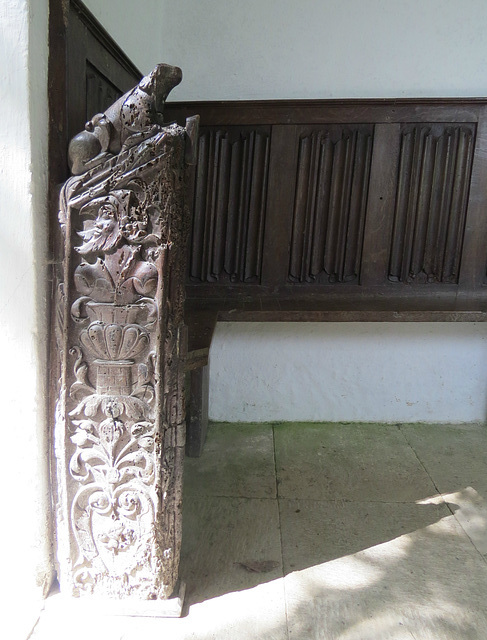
(134,113)
(160,82)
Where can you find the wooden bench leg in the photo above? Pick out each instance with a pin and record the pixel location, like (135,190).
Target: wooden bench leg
(197,411)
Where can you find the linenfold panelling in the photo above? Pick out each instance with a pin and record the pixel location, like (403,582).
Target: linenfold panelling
(366,201)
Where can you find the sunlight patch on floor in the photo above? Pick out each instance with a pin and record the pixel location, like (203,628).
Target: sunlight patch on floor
(363,532)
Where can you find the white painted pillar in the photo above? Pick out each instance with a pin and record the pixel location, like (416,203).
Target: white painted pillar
(25,539)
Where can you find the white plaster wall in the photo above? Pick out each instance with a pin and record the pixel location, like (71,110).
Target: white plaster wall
(135,26)
(266,49)
(388,372)
(25,539)
(277,49)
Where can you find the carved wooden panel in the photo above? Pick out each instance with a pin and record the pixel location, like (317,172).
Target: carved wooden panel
(431,203)
(364,198)
(119,451)
(229,205)
(119,426)
(332,179)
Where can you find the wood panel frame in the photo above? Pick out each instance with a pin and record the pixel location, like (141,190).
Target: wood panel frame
(375,298)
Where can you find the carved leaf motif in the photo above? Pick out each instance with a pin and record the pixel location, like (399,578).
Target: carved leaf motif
(135,340)
(146,443)
(94,281)
(133,466)
(84,432)
(114,341)
(79,438)
(87,462)
(144,392)
(78,309)
(113,336)
(99,501)
(134,407)
(96,335)
(82,386)
(145,283)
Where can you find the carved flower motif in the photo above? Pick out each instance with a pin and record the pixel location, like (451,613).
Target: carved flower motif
(110,431)
(84,429)
(118,537)
(79,438)
(129,503)
(143,433)
(114,406)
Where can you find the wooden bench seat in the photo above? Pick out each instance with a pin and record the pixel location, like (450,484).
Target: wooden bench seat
(333,211)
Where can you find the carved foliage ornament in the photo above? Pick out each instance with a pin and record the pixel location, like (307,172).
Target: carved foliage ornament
(120,415)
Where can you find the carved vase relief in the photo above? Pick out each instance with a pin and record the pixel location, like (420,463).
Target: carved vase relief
(120,418)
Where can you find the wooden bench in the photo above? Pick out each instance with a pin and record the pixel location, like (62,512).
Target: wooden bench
(323,210)
(335,210)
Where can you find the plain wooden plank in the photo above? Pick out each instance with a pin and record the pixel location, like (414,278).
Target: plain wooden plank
(380,204)
(474,254)
(330,111)
(289,315)
(282,169)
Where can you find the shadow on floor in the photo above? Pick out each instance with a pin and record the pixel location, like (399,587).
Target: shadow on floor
(355,534)
(233,542)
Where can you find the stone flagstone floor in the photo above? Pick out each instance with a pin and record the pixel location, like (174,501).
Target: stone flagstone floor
(325,532)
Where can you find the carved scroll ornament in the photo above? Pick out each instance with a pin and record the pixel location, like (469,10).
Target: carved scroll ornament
(120,416)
